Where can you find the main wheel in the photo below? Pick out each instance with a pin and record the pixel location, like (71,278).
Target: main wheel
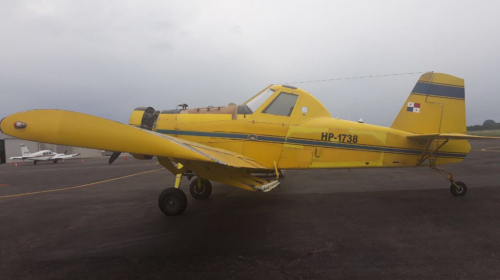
(172,201)
(200,192)
(461,190)
(34,162)
(55,161)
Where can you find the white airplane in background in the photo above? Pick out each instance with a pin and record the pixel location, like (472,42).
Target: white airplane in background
(45,155)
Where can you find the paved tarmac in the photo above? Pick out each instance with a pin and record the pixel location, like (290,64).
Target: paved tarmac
(90,220)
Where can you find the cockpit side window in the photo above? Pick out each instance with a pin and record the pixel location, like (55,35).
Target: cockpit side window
(282,105)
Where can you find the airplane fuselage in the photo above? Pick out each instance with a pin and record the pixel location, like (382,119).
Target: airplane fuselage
(315,143)
(306,138)
(44,155)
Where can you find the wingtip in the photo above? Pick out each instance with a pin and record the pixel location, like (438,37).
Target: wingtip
(1,121)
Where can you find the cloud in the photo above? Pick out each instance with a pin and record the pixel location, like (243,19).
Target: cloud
(106,58)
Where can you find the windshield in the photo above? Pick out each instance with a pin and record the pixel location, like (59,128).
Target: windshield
(255,103)
(282,105)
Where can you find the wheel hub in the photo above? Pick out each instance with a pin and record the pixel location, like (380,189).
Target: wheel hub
(171,202)
(200,189)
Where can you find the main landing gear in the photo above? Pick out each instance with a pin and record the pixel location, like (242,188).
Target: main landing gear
(200,188)
(173,201)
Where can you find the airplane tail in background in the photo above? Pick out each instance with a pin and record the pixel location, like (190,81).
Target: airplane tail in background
(435,105)
(24,150)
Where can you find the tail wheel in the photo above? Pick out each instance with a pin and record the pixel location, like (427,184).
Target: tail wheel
(172,202)
(202,191)
(459,190)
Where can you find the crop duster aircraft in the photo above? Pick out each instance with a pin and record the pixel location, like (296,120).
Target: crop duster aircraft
(281,127)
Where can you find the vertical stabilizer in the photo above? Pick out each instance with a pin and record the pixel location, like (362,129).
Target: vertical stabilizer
(435,105)
(24,150)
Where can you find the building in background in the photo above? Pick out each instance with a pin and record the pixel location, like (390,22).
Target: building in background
(11,147)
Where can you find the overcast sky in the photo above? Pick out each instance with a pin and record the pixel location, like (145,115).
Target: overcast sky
(108,57)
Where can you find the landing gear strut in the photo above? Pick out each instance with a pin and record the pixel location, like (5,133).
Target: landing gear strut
(173,201)
(457,188)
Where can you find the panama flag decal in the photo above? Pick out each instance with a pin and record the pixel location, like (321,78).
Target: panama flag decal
(413,107)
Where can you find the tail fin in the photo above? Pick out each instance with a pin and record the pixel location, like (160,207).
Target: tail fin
(435,105)
(24,150)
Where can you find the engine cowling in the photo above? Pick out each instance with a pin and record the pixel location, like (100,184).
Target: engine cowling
(141,157)
(145,118)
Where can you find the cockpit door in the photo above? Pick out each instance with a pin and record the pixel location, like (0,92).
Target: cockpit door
(282,105)
(267,127)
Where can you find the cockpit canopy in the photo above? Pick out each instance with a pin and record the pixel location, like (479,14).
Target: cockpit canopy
(276,103)
(282,100)
(282,105)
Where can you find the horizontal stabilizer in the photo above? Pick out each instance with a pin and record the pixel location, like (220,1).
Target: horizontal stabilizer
(457,136)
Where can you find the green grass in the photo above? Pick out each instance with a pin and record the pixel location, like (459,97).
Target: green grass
(493,132)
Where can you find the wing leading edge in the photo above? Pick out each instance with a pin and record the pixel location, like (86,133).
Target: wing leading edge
(82,130)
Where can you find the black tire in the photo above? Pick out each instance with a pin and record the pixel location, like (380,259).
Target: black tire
(458,191)
(55,161)
(204,192)
(34,162)
(172,201)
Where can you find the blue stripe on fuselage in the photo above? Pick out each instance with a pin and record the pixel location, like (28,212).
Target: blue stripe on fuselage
(303,142)
(367,148)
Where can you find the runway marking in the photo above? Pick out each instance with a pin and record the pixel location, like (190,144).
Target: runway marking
(81,186)
(491,149)
(68,168)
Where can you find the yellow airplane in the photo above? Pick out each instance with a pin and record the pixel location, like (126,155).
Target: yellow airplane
(282,127)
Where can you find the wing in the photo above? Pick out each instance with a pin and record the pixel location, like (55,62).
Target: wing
(450,136)
(69,156)
(64,156)
(82,130)
(17,158)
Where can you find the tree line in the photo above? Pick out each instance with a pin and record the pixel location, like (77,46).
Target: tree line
(487,125)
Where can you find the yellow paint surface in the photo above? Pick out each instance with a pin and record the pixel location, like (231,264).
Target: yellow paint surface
(226,148)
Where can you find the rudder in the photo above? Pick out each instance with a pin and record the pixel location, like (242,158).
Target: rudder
(435,105)
(24,150)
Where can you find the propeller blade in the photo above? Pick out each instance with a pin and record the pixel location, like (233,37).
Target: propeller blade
(113,157)
(65,151)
